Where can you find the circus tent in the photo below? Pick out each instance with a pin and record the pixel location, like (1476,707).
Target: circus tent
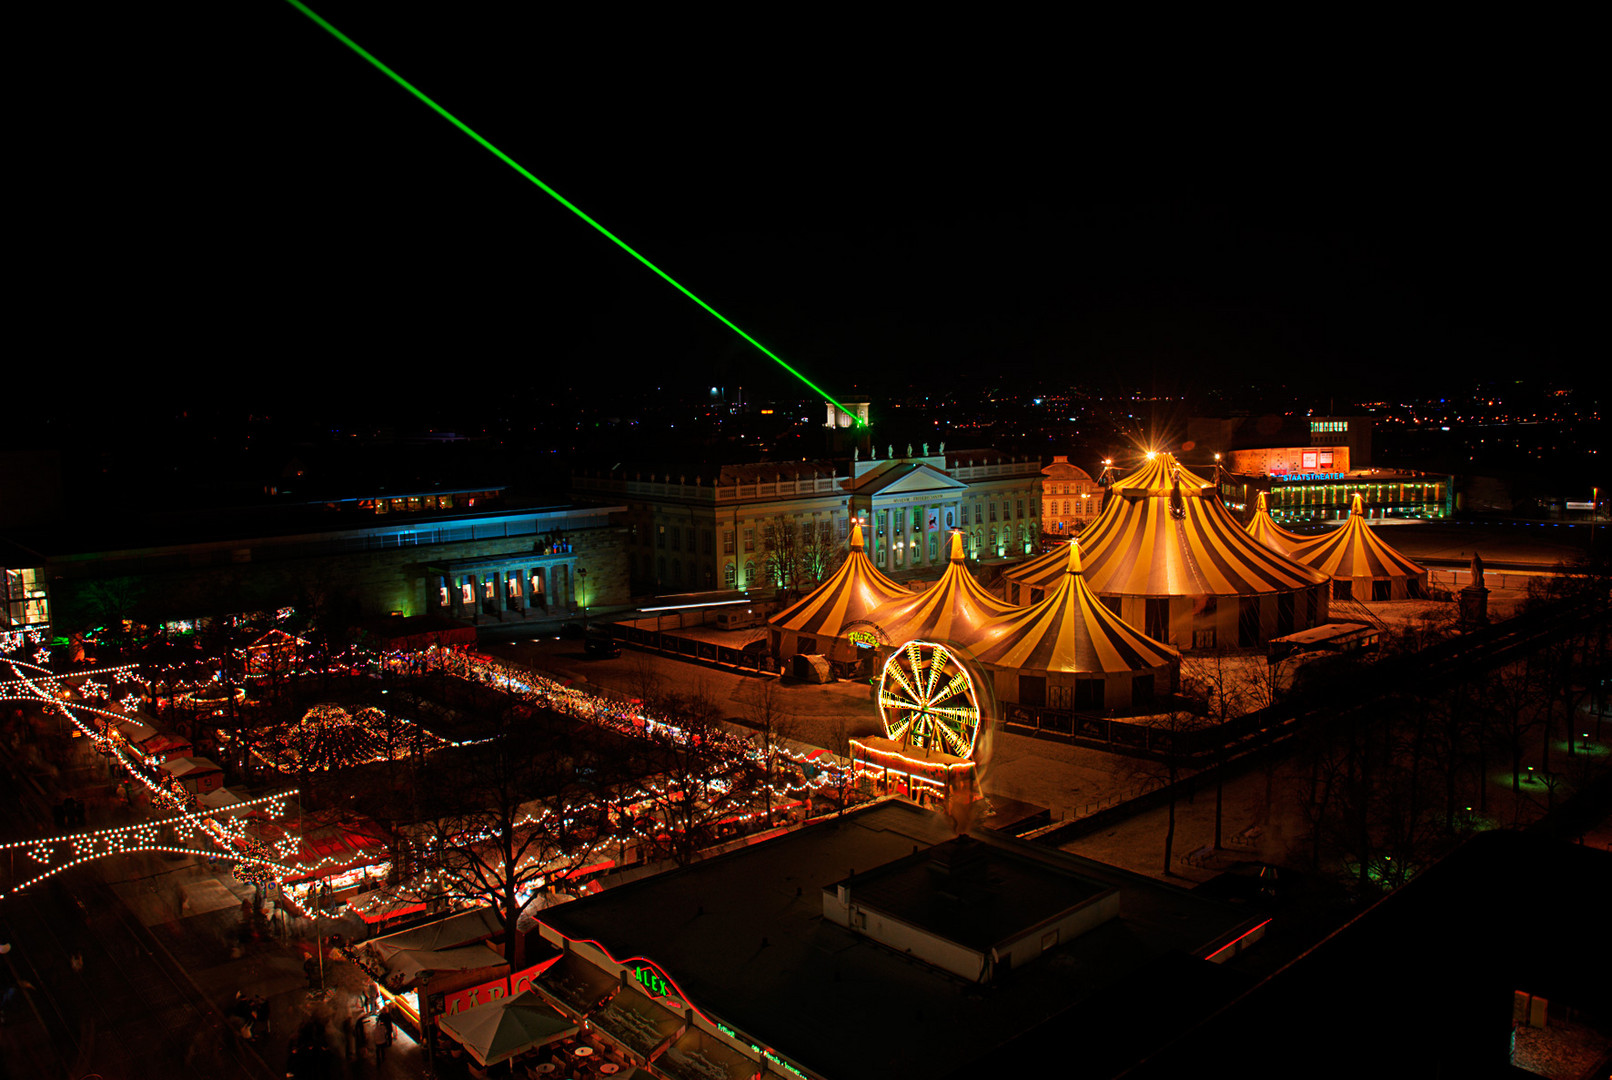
(1174,562)
(955,609)
(1361,566)
(820,621)
(1070,651)
(1029,581)
(1263,527)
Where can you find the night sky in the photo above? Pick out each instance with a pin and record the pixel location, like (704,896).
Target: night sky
(242,208)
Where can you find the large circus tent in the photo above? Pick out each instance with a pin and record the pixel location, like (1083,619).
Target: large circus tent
(1168,557)
(1263,527)
(955,609)
(1362,566)
(1069,651)
(822,621)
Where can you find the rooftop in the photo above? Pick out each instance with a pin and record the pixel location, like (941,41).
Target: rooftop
(744,936)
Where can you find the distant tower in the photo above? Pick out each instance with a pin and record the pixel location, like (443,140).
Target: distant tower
(854,413)
(847,428)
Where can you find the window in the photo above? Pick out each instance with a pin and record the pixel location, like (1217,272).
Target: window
(977,512)
(1203,639)
(729,572)
(1020,510)
(660,537)
(749,542)
(749,573)
(993,511)
(845,528)
(677,538)
(727,543)
(1066,506)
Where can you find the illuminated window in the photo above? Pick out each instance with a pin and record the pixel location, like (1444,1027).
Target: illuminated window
(730,573)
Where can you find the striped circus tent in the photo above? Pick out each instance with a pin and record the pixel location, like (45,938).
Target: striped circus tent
(955,609)
(1263,527)
(1168,557)
(1361,566)
(819,622)
(1069,651)
(1029,581)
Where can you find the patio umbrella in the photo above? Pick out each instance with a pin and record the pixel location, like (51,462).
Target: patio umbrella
(497,1032)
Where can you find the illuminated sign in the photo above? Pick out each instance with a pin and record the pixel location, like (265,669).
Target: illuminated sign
(1308,475)
(652,980)
(489,992)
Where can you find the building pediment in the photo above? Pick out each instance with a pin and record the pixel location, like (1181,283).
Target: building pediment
(908,478)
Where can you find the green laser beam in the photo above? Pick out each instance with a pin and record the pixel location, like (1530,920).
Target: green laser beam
(561,199)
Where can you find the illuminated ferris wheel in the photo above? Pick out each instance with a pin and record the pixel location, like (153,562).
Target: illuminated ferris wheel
(926,697)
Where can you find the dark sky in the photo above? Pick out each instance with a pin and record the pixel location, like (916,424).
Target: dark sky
(240,207)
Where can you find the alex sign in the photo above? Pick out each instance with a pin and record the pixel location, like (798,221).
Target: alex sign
(654,982)
(488,992)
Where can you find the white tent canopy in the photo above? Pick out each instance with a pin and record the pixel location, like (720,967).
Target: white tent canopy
(507,1027)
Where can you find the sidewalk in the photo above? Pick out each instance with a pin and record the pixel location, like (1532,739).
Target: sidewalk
(194,915)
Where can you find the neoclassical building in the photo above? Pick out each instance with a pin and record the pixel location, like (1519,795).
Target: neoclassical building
(707,526)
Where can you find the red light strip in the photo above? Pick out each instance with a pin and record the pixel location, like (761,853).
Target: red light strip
(1239,937)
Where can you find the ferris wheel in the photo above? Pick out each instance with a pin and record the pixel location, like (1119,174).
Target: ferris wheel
(927,698)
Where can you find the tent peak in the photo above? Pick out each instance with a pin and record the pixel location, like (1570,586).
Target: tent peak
(856,535)
(957,547)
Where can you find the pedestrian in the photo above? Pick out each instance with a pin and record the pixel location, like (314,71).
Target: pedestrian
(383,1036)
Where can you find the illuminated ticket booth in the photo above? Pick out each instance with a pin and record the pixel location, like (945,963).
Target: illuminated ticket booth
(926,775)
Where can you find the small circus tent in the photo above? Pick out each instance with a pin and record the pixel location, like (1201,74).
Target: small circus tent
(820,621)
(1069,651)
(1360,565)
(955,609)
(1169,558)
(1263,527)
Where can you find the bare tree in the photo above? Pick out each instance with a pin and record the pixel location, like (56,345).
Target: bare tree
(1220,683)
(513,817)
(781,552)
(769,713)
(820,554)
(696,777)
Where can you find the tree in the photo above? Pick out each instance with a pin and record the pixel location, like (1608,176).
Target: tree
(781,552)
(820,554)
(1219,682)
(696,777)
(510,818)
(773,719)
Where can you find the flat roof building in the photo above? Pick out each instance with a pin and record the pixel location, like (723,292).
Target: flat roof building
(873,945)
